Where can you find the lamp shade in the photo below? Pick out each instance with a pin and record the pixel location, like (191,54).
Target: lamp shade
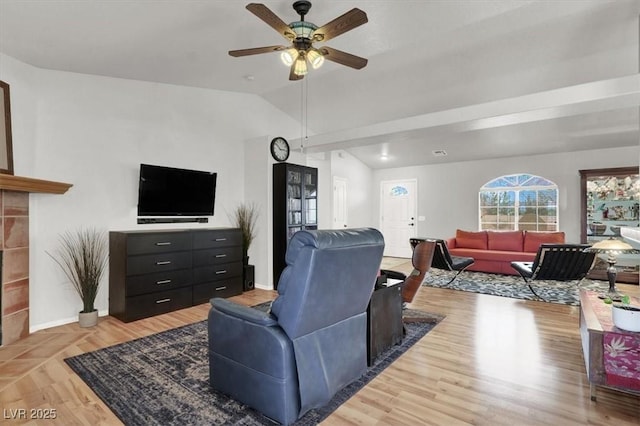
(300,67)
(315,58)
(613,246)
(288,56)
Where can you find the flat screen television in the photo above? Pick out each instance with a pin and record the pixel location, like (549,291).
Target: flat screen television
(168,191)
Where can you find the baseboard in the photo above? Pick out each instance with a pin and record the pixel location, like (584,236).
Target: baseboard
(56,323)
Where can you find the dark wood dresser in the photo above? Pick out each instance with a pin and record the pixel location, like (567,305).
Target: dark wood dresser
(155,272)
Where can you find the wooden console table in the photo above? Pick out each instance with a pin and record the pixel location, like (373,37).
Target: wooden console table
(595,323)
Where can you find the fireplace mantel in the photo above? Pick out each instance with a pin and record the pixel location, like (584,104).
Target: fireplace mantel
(25,184)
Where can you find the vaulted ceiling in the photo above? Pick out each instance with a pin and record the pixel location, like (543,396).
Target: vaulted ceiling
(476,79)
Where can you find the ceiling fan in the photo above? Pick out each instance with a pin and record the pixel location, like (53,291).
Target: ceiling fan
(302,34)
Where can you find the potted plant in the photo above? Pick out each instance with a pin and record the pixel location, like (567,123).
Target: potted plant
(625,315)
(245,217)
(82,256)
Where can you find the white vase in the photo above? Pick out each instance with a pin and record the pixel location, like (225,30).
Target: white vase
(626,319)
(88,319)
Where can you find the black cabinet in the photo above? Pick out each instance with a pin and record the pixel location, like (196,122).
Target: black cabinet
(155,272)
(295,207)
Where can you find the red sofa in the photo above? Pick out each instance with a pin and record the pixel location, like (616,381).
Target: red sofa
(494,251)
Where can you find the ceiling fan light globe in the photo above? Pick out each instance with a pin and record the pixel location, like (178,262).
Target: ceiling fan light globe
(300,67)
(315,58)
(289,56)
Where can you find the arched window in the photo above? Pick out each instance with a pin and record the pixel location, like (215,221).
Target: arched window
(519,202)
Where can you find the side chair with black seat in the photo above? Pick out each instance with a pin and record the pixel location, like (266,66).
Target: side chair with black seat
(558,262)
(421,261)
(442,259)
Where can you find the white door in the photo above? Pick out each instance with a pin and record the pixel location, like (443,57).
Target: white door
(339,202)
(398,221)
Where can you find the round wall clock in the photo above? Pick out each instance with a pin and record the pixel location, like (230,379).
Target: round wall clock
(280,149)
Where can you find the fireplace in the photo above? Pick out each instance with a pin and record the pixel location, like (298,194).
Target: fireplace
(14,248)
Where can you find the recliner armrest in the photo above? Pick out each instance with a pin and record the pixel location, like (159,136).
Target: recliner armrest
(243,312)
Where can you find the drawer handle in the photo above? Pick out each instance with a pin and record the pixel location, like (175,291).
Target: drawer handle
(163,301)
(163,262)
(163,282)
(221,239)
(220,256)
(164,243)
(224,271)
(224,287)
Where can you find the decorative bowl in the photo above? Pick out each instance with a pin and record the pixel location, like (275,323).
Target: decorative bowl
(597,228)
(626,317)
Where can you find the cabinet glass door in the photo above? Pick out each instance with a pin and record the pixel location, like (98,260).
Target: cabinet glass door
(310,200)
(610,201)
(294,201)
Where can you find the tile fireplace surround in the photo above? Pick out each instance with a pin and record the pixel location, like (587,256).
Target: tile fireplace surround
(14,244)
(15,265)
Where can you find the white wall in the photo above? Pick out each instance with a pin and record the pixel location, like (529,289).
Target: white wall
(94,132)
(448,193)
(359,189)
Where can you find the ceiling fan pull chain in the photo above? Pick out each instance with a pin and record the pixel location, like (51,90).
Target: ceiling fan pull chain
(301,117)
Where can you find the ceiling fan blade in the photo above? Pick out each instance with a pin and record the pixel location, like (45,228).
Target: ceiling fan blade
(292,75)
(264,13)
(343,58)
(256,51)
(343,23)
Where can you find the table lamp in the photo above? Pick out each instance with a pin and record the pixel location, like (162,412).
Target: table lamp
(612,247)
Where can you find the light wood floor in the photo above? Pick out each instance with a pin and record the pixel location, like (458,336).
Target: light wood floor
(491,361)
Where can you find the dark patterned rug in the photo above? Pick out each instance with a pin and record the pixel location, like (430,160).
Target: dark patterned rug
(163,379)
(563,292)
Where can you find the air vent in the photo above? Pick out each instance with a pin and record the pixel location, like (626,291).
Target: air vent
(439,153)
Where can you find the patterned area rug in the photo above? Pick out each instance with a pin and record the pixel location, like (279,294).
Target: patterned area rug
(563,292)
(163,379)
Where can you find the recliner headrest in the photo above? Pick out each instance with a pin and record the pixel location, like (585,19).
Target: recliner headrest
(334,238)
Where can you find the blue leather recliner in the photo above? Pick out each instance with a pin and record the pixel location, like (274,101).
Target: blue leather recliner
(313,342)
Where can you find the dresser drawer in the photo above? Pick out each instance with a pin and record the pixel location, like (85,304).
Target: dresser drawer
(159,281)
(158,262)
(216,256)
(204,292)
(217,272)
(148,305)
(217,238)
(158,242)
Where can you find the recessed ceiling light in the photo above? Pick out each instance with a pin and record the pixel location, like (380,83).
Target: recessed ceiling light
(249,77)
(384,157)
(439,153)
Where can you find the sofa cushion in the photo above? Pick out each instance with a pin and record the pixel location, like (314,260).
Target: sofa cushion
(474,240)
(505,240)
(533,239)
